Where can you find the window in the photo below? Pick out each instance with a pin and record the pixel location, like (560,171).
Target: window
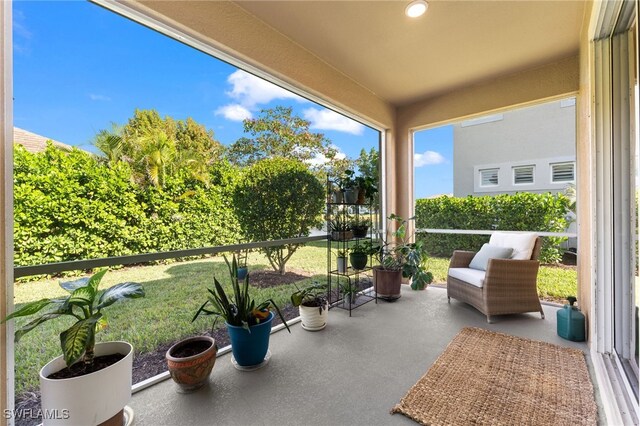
(489,177)
(523,175)
(563,172)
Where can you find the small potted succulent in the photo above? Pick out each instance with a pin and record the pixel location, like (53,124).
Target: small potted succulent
(313,304)
(340,230)
(90,382)
(248,323)
(341,260)
(360,226)
(400,258)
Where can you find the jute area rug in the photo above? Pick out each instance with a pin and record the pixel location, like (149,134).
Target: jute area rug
(487,378)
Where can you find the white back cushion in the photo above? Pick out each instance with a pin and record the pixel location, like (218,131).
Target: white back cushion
(522,243)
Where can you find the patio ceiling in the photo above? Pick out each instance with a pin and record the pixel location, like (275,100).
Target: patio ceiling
(455,44)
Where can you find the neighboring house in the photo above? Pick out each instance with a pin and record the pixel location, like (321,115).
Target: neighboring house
(34,142)
(526,150)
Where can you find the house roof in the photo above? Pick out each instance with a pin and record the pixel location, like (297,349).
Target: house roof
(34,142)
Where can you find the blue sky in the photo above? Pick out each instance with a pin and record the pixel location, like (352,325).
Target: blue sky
(78,67)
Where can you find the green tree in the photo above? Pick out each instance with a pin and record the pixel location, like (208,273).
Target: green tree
(278,198)
(278,133)
(156,146)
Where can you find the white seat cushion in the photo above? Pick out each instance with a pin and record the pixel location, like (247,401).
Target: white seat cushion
(522,243)
(474,277)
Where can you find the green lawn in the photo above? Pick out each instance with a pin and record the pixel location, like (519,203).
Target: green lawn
(175,291)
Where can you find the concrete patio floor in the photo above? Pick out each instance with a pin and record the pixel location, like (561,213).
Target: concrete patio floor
(353,372)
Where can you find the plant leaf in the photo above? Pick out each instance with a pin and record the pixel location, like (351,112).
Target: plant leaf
(94,281)
(30,309)
(71,286)
(36,322)
(74,340)
(82,296)
(120,291)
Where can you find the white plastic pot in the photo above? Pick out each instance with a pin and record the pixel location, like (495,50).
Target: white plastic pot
(90,399)
(314,318)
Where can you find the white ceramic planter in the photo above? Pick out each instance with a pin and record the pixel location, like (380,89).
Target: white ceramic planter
(90,399)
(312,318)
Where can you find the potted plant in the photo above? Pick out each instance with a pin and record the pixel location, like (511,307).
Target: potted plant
(336,194)
(347,185)
(340,230)
(341,260)
(314,306)
(400,258)
(248,323)
(349,292)
(359,256)
(243,270)
(367,188)
(90,382)
(360,226)
(191,360)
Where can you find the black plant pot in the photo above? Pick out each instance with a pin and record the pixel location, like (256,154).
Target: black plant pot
(360,231)
(358,260)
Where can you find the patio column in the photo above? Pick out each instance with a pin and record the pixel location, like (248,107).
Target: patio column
(6,212)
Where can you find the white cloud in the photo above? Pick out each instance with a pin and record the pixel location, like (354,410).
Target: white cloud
(428,158)
(325,119)
(251,91)
(234,112)
(320,159)
(96,97)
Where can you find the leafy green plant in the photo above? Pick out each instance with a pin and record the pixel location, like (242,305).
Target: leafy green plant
(312,296)
(85,303)
(338,225)
(349,290)
(401,254)
(239,308)
(277,199)
(346,180)
(519,212)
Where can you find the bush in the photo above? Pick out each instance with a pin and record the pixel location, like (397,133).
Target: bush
(70,206)
(520,212)
(276,199)
(67,206)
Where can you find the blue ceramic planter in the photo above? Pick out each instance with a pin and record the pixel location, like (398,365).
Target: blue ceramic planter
(250,348)
(242,273)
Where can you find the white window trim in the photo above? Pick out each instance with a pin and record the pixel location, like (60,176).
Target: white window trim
(533,175)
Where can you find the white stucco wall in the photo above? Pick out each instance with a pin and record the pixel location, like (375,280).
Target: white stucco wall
(540,135)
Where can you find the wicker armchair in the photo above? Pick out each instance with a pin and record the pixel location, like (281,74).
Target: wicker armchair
(508,287)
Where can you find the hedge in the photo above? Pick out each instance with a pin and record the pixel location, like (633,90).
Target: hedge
(69,206)
(520,212)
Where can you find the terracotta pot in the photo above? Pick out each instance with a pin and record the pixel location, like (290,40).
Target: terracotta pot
(193,371)
(362,196)
(387,283)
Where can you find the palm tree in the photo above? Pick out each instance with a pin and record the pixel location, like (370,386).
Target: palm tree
(157,155)
(110,143)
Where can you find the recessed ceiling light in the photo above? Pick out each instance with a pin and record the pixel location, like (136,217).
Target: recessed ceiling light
(416,8)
